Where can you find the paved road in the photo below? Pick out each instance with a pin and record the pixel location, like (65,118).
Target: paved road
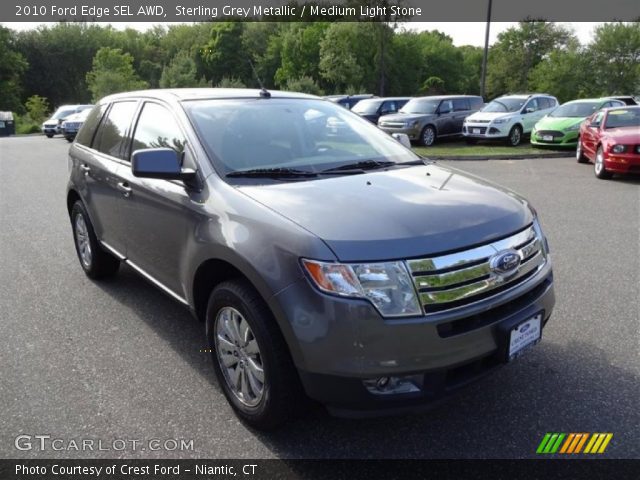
(119,360)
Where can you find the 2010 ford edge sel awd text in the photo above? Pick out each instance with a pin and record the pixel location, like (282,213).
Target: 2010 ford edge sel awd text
(337,266)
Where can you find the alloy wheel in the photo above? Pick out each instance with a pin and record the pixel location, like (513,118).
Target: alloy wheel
(82,241)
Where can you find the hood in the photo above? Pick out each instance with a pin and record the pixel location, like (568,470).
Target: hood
(490,116)
(397,214)
(558,123)
(405,117)
(624,135)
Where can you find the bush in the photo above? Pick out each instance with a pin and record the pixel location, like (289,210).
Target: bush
(231,82)
(25,125)
(303,85)
(37,108)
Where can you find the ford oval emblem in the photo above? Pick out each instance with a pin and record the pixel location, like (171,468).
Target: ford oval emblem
(524,328)
(505,263)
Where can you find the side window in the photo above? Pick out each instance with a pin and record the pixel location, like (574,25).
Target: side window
(477,103)
(389,107)
(532,106)
(597,120)
(85,135)
(616,103)
(112,134)
(446,106)
(544,103)
(157,128)
(460,104)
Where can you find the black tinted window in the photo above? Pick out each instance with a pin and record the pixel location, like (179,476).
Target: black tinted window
(85,135)
(477,103)
(111,136)
(157,128)
(460,104)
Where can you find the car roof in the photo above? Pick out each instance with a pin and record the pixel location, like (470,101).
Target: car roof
(186,94)
(445,97)
(383,99)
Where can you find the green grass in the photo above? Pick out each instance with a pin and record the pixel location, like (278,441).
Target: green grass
(480,150)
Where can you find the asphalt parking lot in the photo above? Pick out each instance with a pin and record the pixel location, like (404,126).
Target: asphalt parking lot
(120,360)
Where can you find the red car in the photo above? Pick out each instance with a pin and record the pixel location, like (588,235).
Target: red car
(610,138)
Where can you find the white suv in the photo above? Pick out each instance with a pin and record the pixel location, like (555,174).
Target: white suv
(509,117)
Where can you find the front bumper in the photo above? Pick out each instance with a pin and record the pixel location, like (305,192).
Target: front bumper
(338,343)
(622,162)
(559,139)
(413,132)
(486,130)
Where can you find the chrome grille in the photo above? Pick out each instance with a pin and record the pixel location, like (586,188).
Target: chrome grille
(454,280)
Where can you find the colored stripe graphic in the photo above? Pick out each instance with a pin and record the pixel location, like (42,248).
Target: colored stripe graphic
(573,443)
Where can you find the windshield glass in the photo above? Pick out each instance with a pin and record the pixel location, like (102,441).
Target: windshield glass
(418,105)
(575,110)
(624,117)
(505,105)
(367,106)
(310,135)
(62,114)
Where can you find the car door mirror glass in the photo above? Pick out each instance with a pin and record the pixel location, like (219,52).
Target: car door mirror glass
(164,163)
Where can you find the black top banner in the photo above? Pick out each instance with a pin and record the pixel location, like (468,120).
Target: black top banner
(317,10)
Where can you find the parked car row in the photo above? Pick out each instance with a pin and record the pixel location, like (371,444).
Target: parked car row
(53,125)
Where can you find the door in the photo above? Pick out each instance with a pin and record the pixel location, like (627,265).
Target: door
(531,113)
(461,110)
(591,134)
(445,122)
(100,165)
(157,210)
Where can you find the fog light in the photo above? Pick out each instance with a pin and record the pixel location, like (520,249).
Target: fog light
(394,385)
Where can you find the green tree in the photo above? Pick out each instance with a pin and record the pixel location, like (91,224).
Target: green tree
(615,57)
(304,85)
(181,72)
(300,54)
(519,50)
(230,82)
(112,72)
(37,108)
(222,55)
(565,74)
(12,67)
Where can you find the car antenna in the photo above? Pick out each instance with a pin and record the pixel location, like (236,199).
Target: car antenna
(264,93)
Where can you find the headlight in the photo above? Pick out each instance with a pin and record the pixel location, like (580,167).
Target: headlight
(540,234)
(388,286)
(619,148)
(501,120)
(572,128)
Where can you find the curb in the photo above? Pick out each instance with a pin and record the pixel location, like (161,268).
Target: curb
(501,157)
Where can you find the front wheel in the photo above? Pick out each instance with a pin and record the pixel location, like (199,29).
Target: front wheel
(428,136)
(49,135)
(515,136)
(250,357)
(598,168)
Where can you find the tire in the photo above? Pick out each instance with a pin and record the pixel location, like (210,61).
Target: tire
(598,166)
(515,136)
(580,158)
(428,136)
(49,135)
(471,141)
(69,139)
(95,262)
(272,389)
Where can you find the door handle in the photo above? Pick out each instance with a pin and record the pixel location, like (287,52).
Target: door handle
(85,169)
(124,188)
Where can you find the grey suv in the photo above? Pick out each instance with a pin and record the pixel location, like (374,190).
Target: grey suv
(425,119)
(341,267)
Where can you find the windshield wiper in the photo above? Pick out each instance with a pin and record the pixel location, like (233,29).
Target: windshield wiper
(272,172)
(362,165)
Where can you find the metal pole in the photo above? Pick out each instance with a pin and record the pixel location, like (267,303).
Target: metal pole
(483,76)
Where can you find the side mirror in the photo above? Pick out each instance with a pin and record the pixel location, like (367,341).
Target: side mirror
(164,163)
(403,138)
(594,125)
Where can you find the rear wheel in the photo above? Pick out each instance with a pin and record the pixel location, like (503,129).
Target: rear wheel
(95,262)
(250,357)
(515,136)
(428,136)
(598,167)
(580,158)
(49,135)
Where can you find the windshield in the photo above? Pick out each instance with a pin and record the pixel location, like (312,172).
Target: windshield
(420,106)
(62,113)
(367,106)
(575,110)
(624,117)
(309,135)
(505,105)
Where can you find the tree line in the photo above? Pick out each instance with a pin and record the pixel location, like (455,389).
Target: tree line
(81,62)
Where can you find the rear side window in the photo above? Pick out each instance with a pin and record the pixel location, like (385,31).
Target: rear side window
(460,104)
(477,103)
(85,135)
(112,134)
(157,128)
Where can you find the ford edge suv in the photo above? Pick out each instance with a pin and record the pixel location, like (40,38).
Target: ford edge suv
(341,267)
